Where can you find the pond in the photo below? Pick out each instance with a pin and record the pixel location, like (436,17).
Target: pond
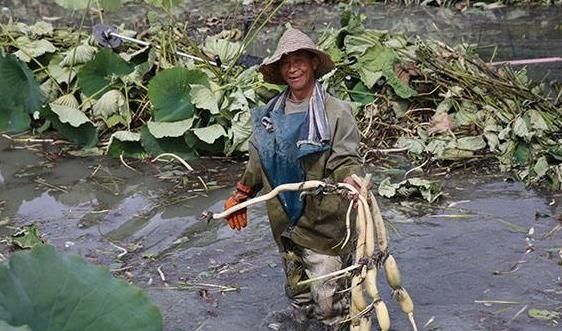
(468,262)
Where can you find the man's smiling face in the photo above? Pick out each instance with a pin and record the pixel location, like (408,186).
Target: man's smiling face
(297,69)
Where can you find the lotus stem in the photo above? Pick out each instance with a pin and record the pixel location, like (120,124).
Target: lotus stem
(182,161)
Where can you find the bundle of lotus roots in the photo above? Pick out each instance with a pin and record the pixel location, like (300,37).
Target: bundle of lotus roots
(371,252)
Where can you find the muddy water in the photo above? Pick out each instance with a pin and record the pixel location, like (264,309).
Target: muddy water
(457,258)
(465,261)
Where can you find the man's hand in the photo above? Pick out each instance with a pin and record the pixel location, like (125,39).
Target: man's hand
(239,219)
(357,185)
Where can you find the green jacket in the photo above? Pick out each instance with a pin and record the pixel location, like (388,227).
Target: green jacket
(322,225)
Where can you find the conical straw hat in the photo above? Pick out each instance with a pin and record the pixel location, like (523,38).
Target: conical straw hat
(293,40)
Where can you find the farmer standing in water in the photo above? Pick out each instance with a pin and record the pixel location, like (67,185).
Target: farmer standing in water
(303,134)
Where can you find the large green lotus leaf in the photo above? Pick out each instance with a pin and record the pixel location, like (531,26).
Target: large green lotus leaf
(169,92)
(126,143)
(96,77)
(81,4)
(176,145)
(7,327)
(13,119)
(17,85)
(169,129)
(84,135)
(49,291)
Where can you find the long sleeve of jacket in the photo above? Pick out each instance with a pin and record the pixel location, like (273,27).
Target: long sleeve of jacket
(344,158)
(253,176)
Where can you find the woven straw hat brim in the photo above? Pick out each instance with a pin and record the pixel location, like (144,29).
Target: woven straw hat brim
(292,41)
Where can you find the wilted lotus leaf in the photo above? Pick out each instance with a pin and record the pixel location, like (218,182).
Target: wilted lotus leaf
(68,100)
(225,49)
(78,55)
(26,237)
(203,98)
(47,291)
(210,133)
(112,102)
(81,4)
(441,122)
(169,129)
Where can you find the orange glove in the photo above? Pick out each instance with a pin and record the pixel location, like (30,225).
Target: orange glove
(239,219)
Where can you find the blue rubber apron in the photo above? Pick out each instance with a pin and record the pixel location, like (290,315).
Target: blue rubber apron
(275,137)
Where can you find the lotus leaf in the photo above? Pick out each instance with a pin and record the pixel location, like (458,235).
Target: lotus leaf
(47,291)
(537,120)
(97,76)
(13,118)
(27,237)
(7,327)
(81,4)
(70,115)
(521,154)
(176,145)
(226,50)
(239,133)
(169,92)
(49,91)
(78,55)
(521,129)
(387,189)
(210,133)
(541,167)
(166,4)
(169,129)
(125,143)
(471,143)
(379,61)
(60,74)
(360,93)
(18,86)
(143,60)
(67,100)
(112,102)
(41,28)
(84,134)
(238,101)
(203,98)
(544,314)
(31,49)
(413,145)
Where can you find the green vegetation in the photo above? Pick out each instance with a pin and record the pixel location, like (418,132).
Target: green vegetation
(43,290)
(439,104)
